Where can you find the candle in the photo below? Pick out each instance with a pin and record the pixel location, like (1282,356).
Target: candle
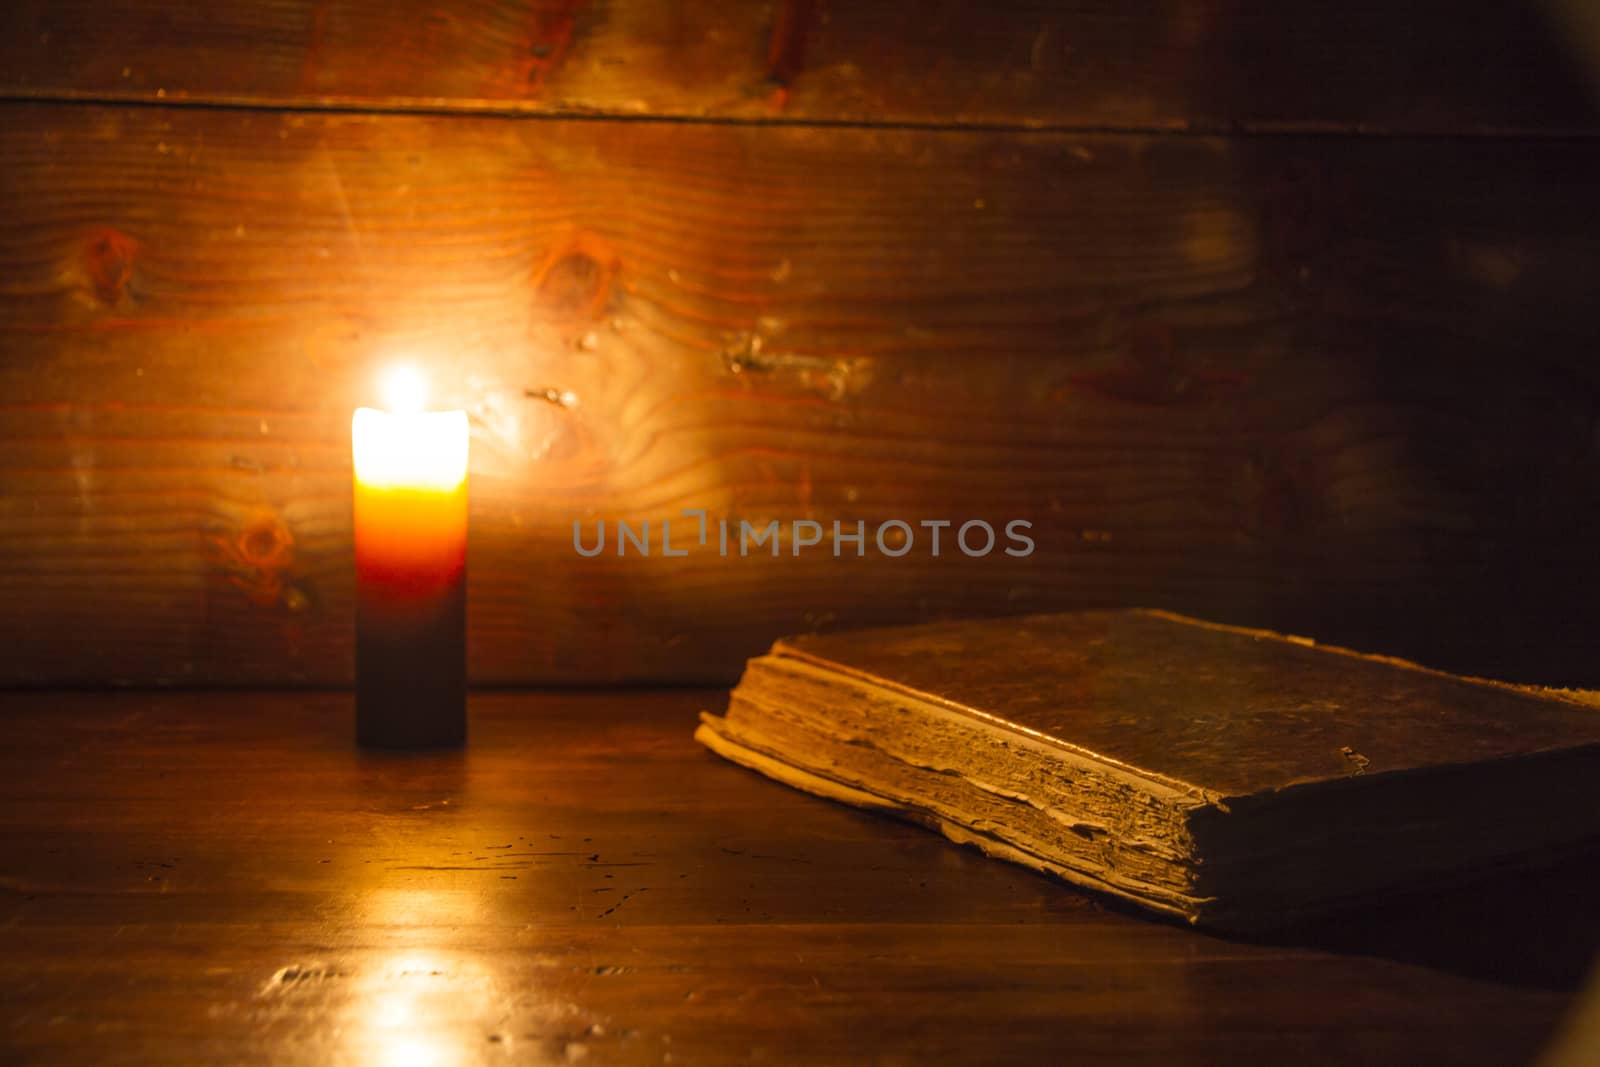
(411,561)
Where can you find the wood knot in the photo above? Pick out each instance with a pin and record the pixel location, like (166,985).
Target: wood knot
(257,560)
(266,543)
(575,281)
(108,258)
(550,36)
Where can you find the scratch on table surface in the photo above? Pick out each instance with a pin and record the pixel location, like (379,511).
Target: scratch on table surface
(623,900)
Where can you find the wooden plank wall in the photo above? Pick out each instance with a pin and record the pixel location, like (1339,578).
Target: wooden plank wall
(1282,318)
(1371,65)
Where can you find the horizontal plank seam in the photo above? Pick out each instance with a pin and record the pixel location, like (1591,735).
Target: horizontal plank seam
(511,111)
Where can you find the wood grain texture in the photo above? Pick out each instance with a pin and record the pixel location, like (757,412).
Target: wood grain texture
(222,878)
(1429,65)
(1323,385)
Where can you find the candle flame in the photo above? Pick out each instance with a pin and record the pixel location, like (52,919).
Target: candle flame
(404,390)
(420,451)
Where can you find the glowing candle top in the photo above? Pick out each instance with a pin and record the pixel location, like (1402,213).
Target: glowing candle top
(406,448)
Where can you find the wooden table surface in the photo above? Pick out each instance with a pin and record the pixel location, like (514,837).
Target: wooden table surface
(223,878)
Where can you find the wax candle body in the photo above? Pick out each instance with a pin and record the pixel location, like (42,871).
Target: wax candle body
(411,561)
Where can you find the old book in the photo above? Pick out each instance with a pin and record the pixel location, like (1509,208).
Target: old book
(1235,778)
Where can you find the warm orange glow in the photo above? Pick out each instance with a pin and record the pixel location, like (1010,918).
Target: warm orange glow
(404,390)
(410,499)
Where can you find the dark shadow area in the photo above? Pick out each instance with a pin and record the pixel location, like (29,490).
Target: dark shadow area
(1433,284)
(1415,66)
(1536,926)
